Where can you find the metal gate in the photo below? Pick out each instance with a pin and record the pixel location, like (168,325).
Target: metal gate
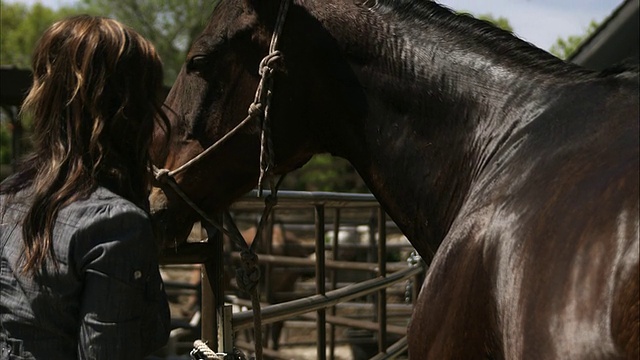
(329,211)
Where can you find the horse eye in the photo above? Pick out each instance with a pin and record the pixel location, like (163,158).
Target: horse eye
(197,63)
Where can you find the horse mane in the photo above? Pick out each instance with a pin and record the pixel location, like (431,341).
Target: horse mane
(476,33)
(624,69)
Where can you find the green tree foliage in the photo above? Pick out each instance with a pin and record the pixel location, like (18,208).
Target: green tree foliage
(171,25)
(21,27)
(500,22)
(5,148)
(563,48)
(325,173)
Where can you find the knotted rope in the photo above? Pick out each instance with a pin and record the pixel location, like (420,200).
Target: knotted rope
(263,96)
(248,274)
(201,351)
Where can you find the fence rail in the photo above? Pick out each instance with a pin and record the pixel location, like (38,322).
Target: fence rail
(219,324)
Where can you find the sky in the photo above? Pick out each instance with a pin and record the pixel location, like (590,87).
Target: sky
(540,22)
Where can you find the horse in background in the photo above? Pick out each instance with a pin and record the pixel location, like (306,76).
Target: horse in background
(513,173)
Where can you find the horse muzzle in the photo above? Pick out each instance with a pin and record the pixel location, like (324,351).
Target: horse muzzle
(172,223)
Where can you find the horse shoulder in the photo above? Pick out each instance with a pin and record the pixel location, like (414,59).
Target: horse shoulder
(455,311)
(565,250)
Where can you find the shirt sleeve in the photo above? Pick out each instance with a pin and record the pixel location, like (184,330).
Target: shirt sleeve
(124,312)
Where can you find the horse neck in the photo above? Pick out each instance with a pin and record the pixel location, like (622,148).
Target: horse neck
(441,104)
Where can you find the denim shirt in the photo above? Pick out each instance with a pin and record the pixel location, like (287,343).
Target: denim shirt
(104,300)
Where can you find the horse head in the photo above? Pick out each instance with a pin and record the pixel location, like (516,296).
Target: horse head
(216,89)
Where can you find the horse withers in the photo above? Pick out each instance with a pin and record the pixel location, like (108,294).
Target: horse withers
(513,173)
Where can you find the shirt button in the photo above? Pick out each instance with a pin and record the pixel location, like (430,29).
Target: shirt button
(137,274)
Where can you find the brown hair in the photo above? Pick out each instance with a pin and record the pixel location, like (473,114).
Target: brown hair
(94,100)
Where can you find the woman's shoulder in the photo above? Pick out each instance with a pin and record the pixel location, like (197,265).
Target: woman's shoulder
(105,223)
(101,205)
(101,219)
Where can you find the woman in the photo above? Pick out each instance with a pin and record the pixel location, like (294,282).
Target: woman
(79,273)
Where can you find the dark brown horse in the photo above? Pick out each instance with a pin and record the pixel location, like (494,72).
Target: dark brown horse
(519,169)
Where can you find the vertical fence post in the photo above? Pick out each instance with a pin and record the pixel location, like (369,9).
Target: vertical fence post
(212,292)
(225,329)
(267,238)
(382,271)
(334,280)
(208,307)
(320,281)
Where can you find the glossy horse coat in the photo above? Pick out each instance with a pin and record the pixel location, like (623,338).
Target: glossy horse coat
(519,169)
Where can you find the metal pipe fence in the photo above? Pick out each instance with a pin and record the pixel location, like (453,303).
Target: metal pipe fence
(219,324)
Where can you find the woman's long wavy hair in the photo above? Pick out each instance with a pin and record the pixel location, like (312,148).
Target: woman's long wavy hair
(95,99)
